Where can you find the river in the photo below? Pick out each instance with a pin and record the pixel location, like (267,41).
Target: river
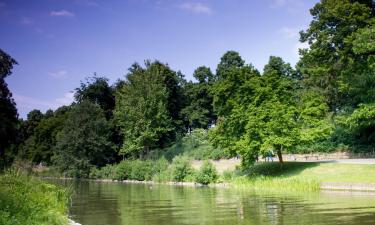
(96,203)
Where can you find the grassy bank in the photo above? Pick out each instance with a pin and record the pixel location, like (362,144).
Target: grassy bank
(301,176)
(264,176)
(28,200)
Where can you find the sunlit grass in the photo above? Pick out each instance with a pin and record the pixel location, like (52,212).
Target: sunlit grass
(301,176)
(28,200)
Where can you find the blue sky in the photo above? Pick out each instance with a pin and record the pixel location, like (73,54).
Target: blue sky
(58,43)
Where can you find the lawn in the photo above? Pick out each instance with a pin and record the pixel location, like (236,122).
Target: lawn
(304,176)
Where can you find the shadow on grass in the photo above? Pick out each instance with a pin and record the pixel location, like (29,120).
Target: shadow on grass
(274,169)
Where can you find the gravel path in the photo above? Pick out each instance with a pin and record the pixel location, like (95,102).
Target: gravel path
(352,161)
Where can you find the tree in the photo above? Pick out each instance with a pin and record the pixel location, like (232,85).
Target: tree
(39,147)
(141,109)
(97,90)
(272,117)
(329,61)
(8,111)
(199,111)
(228,61)
(232,92)
(231,74)
(83,141)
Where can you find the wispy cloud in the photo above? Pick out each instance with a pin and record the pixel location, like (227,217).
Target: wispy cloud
(27,103)
(62,13)
(289,32)
(195,7)
(87,2)
(59,74)
(289,5)
(27,21)
(66,100)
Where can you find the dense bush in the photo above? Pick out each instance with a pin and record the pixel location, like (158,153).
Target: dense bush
(207,174)
(195,145)
(26,200)
(132,170)
(106,172)
(181,169)
(141,170)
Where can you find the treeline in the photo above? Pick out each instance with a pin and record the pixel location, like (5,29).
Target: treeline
(325,103)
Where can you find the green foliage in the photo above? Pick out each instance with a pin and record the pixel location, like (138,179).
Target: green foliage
(141,109)
(207,174)
(362,123)
(8,112)
(83,141)
(195,145)
(39,146)
(141,170)
(97,91)
(27,200)
(106,172)
(181,169)
(333,62)
(132,170)
(199,110)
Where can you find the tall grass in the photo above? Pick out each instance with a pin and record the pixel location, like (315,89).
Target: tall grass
(31,201)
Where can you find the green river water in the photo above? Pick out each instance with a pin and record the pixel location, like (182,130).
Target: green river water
(95,203)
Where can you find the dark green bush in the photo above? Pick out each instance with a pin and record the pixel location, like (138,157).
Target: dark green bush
(207,174)
(181,168)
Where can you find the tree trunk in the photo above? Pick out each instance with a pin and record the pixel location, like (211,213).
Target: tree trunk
(279,154)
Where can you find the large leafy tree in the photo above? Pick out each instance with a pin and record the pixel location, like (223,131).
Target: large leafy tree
(330,63)
(268,112)
(272,115)
(8,111)
(142,109)
(84,140)
(232,92)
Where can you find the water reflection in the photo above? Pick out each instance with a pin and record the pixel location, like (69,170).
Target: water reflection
(118,204)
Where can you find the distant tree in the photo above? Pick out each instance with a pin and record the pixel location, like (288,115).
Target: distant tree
(39,147)
(97,90)
(84,140)
(142,109)
(8,111)
(33,119)
(199,111)
(229,60)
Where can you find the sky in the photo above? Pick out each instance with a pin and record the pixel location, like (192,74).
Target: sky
(58,43)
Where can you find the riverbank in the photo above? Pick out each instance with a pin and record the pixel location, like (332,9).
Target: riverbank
(292,176)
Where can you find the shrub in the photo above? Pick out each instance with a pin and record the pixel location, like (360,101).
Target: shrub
(106,172)
(122,170)
(207,174)
(180,168)
(163,176)
(141,170)
(228,175)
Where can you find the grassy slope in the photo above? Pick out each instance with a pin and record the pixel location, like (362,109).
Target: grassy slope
(303,176)
(28,200)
